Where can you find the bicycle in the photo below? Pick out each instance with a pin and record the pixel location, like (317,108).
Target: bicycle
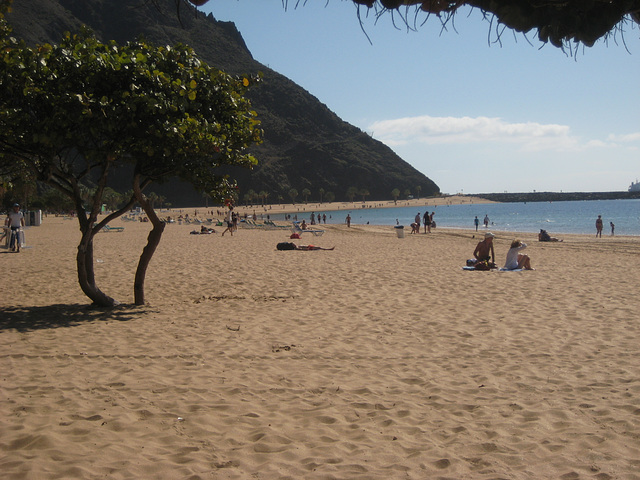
(14,240)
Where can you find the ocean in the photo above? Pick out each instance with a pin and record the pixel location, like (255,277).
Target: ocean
(555,217)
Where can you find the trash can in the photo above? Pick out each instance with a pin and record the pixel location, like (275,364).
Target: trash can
(399,231)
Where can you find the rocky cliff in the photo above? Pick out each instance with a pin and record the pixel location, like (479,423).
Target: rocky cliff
(306,145)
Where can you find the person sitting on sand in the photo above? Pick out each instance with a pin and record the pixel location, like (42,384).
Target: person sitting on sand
(543,236)
(303,225)
(484,249)
(515,259)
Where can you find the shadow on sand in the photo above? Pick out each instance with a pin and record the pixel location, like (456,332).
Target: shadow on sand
(25,319)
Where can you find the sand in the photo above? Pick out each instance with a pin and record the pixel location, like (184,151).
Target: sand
(381,359)
(308,207)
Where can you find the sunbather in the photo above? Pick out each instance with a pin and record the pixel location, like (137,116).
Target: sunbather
(293,246)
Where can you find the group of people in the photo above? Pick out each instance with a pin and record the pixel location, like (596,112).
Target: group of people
(600,227)
(321,218)
(484,253)
(426,220)
(476,222)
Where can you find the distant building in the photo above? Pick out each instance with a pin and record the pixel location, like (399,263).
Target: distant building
(634,187)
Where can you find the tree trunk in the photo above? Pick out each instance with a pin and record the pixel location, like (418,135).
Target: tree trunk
(145,258)
(86,278)
(153,239)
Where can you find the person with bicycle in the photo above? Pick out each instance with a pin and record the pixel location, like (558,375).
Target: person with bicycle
(15,220)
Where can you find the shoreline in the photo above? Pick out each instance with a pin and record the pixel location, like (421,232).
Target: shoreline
(340,206)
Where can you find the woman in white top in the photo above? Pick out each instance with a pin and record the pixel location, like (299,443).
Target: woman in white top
(515,259)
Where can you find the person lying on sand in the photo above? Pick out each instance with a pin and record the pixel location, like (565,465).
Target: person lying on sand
(293,246)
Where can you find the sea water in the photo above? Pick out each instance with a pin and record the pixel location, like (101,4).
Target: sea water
(555,217)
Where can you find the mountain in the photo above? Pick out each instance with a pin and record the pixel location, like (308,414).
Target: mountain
(306,146)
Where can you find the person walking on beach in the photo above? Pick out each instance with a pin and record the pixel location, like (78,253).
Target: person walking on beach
(476,222)
(229,220)
(599,226)
(15,220)
(486,220)
(613,228)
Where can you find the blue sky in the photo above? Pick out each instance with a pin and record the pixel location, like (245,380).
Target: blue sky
(473,114)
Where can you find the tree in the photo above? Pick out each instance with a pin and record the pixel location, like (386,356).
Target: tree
(364,193)
(76,111)
(251,195)
(112,199)
(330,196)
(293,193)
(418,190)
(561,22)
(407,193)
(351,193)
(321,192)
(305,193)
(395,193)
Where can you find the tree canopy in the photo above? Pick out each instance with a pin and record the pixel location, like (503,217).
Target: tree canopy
(559,22)
(76,111)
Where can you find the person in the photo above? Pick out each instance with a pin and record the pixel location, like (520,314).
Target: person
(303,225)
(486,220)
(415,227)
(348,219)
(613,228)
(15,220)
(484,249)
(312,247)
(476,222)
(293,246)
(599,226)
(426,220)
(515,259)
(229,220)
(417,220)
(544,236)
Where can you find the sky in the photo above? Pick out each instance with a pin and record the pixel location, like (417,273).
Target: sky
(475,111)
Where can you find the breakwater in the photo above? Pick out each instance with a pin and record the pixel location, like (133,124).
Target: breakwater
(556,196)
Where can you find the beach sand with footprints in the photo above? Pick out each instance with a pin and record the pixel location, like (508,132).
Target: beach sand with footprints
(381,359)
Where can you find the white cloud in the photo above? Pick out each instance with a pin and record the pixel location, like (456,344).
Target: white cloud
(628,138)
(530,136)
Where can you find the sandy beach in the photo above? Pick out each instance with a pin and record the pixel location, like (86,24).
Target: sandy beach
(381,359)
(308,207)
